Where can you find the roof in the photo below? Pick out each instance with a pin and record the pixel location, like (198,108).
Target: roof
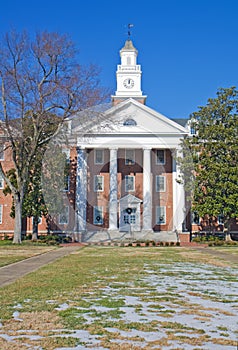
(181,121)
(128,46)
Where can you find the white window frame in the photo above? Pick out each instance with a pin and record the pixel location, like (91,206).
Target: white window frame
(98,213)
(129,156)
(1,182)
(95,156)
(2,152)
(64,214)
(157,157)
(127,177)
(158,187)
(160,212)
(1,213)
(96,183)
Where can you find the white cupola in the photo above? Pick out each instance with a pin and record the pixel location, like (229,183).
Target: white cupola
(128,75)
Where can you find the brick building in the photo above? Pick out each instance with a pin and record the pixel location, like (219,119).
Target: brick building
(123,169)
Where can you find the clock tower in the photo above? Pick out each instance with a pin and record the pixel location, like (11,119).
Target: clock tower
(128,75)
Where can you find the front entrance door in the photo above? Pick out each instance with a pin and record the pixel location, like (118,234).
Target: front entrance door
(129,214)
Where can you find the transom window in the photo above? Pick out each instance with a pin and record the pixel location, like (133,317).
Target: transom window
(98,183)
(98,156)
(160,156)
(97,215)
(129,156)
(160,215)
(129,183)
(160,183)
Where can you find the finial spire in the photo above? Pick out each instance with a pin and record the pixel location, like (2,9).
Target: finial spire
(129,26)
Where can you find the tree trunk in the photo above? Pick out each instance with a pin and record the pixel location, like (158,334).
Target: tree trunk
(18,218)
(35,228)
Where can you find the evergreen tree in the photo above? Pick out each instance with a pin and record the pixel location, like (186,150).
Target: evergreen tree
(210,157)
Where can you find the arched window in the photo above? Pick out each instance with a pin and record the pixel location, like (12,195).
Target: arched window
(129,122)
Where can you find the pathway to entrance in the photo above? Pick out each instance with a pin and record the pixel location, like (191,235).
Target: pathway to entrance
(11,273)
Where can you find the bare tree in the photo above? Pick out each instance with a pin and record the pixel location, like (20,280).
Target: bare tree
(41,86)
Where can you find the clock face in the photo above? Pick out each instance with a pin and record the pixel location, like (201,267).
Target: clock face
(128,83)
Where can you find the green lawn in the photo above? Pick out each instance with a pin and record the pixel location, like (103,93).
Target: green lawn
(11,253)
(124,298)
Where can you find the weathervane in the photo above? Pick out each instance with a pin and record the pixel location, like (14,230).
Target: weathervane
(129,26)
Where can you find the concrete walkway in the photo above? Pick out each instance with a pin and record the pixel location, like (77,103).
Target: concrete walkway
(11,273)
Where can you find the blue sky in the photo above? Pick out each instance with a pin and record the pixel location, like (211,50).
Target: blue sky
(187,49)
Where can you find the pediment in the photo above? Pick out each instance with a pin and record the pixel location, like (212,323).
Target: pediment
(129,200)
(132,117)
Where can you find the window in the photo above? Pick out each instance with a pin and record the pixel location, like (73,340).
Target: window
(66,151)
(193,130)
(98,215)
(129,183)
(64,216)
(1,214)
(160,215)
(160,183)
(66,182)
(1,181)
(195,218)
(98,183)
(39,220)
(160,156)
(129,122)
(98,156)
(129,156)
(1,152)
(220,219)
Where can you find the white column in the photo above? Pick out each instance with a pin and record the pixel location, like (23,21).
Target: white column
(147,197)
(113,190)
(81,190)
(179,212)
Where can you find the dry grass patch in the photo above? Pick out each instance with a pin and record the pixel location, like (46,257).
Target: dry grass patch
(11,254)
(40,321)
